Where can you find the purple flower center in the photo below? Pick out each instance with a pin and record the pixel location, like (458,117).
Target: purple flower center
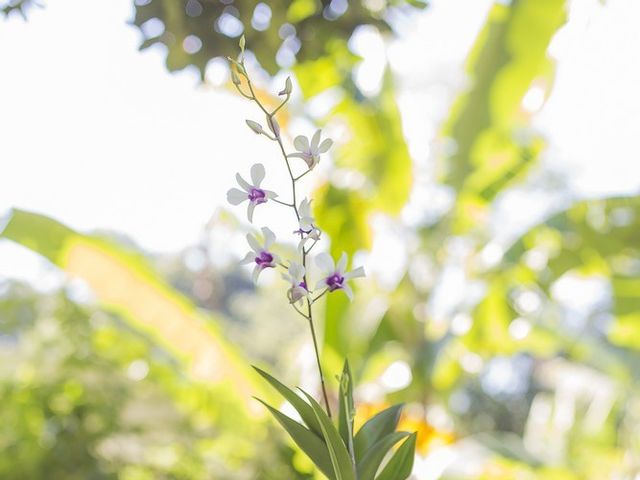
(257,196)
(303,285)
(335,282)
(264,260)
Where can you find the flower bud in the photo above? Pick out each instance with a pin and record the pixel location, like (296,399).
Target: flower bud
(287,87)
(239,66)
(242,43)
(255,126)
(273,125)
(234,77)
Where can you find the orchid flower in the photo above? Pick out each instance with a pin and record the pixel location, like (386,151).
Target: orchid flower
(295,276)
(253,193)
(334,276)
(306,219)
(307,231)
(310,151)
(260,254)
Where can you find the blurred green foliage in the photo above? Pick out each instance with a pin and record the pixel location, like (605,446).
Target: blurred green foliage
(21,7)
(483,125)
(302,29)
(86,396)
(486,124)
(493,150)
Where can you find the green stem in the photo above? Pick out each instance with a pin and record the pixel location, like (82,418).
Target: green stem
(301,175)
(315,347)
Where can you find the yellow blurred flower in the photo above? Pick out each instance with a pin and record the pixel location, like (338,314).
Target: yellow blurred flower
(429,437)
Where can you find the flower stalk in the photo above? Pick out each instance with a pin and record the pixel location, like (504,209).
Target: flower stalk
(309,150)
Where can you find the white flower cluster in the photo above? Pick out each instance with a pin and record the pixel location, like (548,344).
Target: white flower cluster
(334,276)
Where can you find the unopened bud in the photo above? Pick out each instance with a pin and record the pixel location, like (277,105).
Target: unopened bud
(287,87)
(242,43)
(273,125)
(255,126)
(238,65)
(234,77)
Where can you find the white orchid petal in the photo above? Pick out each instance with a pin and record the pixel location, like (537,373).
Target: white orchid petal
(325,262)
(253,243)
(303,209)
(301,143)
(235,196)
(242,182)
(347,289)
(315,234)
(248,258)
(270,194)
(297,271)
(311,161)
(325,145)
(321,284)
(250,209)
(342,264)
(256,273)
(269,237)
(257,174)
(301,244)
(357,273)
(315,141)
(306,223)
(296,294)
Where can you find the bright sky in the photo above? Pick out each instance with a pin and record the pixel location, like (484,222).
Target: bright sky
(100,135)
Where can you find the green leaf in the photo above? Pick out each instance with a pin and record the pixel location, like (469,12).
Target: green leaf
(372,459)
(509,57)
(375,429)
(320,33)
(347,410)
(308,442)
(342,464)
(401,464)
(119,278)
(302,407)
(489,334)
(592,238)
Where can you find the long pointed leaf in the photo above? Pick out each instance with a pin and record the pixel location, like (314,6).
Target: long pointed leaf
(303,408)
(124,282)
(375,428)
(372,459)
(308,441)
(401,464)
(338,453)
